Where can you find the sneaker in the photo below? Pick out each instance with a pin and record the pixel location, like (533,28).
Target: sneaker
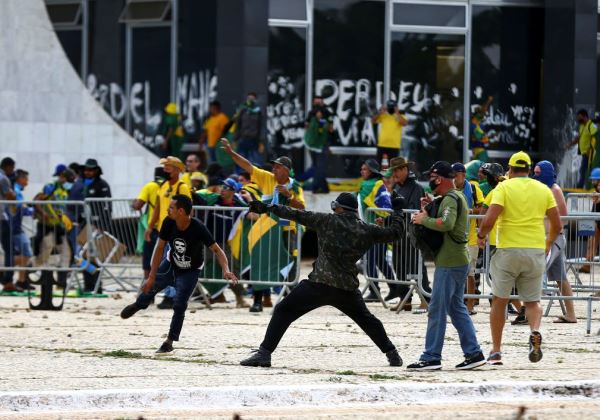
(394,358)
(472,362)
(423,365)
(535,347)
(11,287)
(167,303)
(129,311)
(495,359)
(165,348)
(256,307)
(521,319)
(511,309)
(260,358)
(392,295)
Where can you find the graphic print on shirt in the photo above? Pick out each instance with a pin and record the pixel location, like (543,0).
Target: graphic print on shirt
(181,260)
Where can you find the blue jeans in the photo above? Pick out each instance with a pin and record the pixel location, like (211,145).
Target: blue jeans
(447,298)
(184,283)
(248,148)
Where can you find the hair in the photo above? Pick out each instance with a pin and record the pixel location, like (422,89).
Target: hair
(317,97)
(252,94)
(216,104)
(183,202)
(521,169)
(583,113)
(245,175)
(20,173)
(7,161)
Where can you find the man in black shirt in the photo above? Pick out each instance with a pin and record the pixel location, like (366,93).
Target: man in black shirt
(343,239)
(187,237)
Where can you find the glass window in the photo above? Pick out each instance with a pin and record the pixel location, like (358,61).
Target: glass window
(150,83)
(287,9)
(427,82)
(429,15)
(71,42)
(145,11)
(348,73)
(64,14)
(506,70)
(286,84)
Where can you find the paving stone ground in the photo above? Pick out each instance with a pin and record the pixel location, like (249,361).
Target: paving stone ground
(88,346)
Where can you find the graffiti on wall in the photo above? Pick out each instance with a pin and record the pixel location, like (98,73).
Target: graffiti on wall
(285,112)
(194,92)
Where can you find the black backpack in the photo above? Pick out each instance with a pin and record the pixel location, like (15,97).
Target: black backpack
(429,241)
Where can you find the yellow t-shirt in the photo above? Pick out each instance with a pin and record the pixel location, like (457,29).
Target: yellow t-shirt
(165,193)
(390,130)
(266,182)
(149,195)
(586,132)
(477,201)
(521,223)
(214,126)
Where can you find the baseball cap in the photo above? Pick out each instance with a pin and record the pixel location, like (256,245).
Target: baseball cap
(459,167)
(60,168)
(346,201)
(231,184)
(283,161)
(441,168)
(520,160)
(595,174)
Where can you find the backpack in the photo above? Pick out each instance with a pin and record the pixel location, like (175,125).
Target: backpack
(429,241)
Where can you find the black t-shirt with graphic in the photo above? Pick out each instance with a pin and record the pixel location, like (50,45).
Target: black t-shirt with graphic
(187,246)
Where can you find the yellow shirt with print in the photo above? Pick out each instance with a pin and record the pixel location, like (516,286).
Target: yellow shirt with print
(266,182)
(477,201)
(525,202)
(149,195)
(587,131)
(165,193)
(214,126)
(390,130)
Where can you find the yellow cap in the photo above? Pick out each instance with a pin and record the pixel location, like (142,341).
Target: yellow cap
(198,176)
(171,108)
(172,161)
(520,160)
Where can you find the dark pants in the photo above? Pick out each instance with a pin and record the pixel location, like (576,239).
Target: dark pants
(406,261)
(7,246)
(318,171)
(583,171)
(308,296)
(184,283)
(149,250)
(248,148)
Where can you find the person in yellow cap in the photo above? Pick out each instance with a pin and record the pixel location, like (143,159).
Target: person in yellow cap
(172,131)
(192,165)
(173,167)
(518,208)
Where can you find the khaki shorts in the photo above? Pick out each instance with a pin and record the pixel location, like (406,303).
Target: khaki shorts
(473,253)
(520,267)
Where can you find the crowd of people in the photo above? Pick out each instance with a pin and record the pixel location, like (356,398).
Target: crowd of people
(57,223)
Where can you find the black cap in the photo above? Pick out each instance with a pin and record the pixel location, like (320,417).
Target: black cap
(493,169)
(347,201)
(284,161)
(442,168)
(373,165)
(92,164)
(459,167)
(391,103)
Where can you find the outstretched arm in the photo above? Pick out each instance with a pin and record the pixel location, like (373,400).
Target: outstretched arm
(239,160)
(306,218)
(224,263)
(394,232)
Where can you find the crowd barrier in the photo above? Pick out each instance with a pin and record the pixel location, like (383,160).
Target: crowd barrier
(382,264)
(106,241)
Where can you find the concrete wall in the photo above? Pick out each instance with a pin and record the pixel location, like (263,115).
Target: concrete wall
(46,114)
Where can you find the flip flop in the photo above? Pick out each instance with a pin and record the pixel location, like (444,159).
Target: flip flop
(563,320)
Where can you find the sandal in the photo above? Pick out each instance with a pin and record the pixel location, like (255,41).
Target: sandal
(495,359)
(563,320)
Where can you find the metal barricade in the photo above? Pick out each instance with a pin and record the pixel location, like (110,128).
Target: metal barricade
(117,235)
(585,287)
(39,244)
(264,251)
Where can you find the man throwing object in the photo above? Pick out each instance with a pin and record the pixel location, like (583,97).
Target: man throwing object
(343,239)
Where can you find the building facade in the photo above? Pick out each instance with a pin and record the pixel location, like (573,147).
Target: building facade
(440,60)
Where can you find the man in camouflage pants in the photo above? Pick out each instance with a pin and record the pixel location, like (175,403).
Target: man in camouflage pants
(343,239)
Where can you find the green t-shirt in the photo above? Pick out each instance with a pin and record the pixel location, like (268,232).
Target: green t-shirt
(452,253)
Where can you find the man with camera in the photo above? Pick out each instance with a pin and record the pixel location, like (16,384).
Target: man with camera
(451,266)
(343,239)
